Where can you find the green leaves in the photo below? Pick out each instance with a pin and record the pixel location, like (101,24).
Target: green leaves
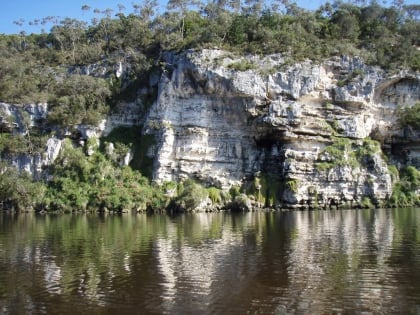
(81,182)
(405,191)
(18,190)
(79,99)
(409,116)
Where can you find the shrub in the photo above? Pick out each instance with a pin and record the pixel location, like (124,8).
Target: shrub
(367,203)
(409,116)
(215,195)
(192,195)
(242,65)
(404,192)
(293,185)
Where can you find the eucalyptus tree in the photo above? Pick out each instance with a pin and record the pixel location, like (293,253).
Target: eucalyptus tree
(72,30)
(180,7)
(219,21)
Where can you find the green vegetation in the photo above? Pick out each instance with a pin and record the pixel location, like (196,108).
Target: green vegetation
(18,144)
(367,203)
(81,182)
(31,64)
(339,153)
(191,195)
(265,189)
(216,195)
(242,65)
(409,116)
(130,138)
(343,151)
(79,99)
(367,150)
(19,191)
(405,191)
(50,67)
(350,77)
(292,184)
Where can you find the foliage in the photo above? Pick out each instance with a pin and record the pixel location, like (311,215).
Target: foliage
(367,203)
(405,191)
(81,182)
(365,152)
(240,203)
(234,191)
(293,185)
(17,190)
(215,195)
(266,189)
(393,171)
(242,65)
(409,116)
(18,144)
(79,99)
(191,196)
(338,153)
(343,151)
(140,144)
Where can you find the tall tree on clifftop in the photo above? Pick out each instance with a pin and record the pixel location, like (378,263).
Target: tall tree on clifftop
(181,7)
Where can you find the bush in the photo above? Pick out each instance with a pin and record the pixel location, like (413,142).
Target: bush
(79,99)
(242,65)
(409,116)
(81,182)
(192,196)
(18,191)
(215,195)
(404,192)
(367,203)
(240,203)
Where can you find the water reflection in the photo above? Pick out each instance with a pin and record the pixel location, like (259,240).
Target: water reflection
(317,262)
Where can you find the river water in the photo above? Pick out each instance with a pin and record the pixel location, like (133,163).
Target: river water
(312,262)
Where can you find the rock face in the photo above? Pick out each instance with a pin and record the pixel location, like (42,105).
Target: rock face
(303,126)
(35,163)
(297,135)
(18,119)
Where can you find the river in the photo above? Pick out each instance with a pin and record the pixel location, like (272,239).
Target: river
(301,262)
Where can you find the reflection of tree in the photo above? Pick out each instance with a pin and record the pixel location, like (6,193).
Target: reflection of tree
(83,258)
(256,262)
(341,260)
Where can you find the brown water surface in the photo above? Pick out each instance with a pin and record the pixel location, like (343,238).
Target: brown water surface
(318,262)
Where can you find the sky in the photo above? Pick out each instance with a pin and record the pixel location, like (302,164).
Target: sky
(29,10)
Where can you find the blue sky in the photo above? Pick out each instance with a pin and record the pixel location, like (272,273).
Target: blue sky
(29,10)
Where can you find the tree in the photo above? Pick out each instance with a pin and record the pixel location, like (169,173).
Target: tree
(345,23)
(79,99)
(180,7)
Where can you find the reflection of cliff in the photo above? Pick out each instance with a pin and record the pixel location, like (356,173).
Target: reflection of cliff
(341,259)
(197,270)
(290,262)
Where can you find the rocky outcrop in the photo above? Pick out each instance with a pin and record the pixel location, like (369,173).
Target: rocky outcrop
(19,118)
(292,135)
(225,126)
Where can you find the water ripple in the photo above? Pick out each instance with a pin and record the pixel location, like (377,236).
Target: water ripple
(319,262)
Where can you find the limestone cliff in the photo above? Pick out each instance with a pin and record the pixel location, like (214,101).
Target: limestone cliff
(304,130)
(293,135)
